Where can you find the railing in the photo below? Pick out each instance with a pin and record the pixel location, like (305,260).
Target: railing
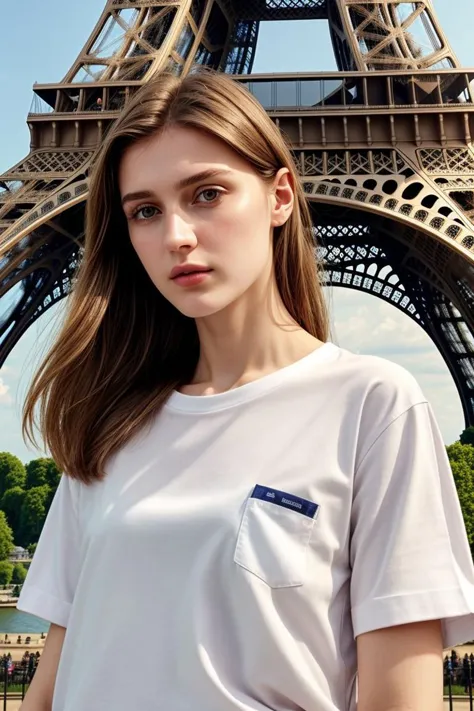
(362,91)
(80,98)
(458,680)
(40,106)
(15,679)
(322,91)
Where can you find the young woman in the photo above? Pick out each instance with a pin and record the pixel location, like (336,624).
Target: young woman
(250,517)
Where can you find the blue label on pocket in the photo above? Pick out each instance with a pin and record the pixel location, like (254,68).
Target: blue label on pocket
(288,501)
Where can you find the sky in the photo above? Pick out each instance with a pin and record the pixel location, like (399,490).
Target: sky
(38,43)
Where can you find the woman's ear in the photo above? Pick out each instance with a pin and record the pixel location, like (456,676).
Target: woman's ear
(283,197)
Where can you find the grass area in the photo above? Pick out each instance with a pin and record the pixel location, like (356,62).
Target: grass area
(455,690)
(13,689)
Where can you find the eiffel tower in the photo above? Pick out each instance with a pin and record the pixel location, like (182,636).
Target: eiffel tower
(384,147)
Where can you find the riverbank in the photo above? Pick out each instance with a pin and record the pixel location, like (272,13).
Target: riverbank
(17,650)
(37,644)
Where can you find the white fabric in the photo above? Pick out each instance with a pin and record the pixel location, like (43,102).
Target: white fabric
(180,591)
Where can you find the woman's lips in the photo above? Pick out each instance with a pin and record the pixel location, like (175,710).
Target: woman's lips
(192,278)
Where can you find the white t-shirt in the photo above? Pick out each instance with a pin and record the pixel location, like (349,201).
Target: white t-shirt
(243,540)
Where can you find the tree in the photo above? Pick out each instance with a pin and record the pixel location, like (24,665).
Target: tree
(12,503)
(467,436)
(6,572)
(33,515)
(43,472)
(6,538)
(12,472)
(19,574)
(49,498)
(54,475)
(37,472)
(461,457)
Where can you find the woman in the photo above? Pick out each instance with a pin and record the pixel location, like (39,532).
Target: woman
(243,500)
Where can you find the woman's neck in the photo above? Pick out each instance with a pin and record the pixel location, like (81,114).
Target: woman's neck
(244,342)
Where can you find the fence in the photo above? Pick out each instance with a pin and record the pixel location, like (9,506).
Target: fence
(17,678)
(458,681)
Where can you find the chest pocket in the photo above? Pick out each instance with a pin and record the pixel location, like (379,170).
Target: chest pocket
(274,536)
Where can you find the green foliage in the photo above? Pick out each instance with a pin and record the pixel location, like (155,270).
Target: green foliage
(12,472)
(6,572)
(19,574)
(49,498)
(12,503)
(54,475)
(467,436)
(461,457)
(6,538)
(456,690)
(33,514)
(16,591)
(38,473)
(31,549)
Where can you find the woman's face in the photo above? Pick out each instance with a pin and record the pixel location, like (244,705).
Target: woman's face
(193,204)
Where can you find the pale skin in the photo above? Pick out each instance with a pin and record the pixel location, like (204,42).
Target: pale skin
(226,223)
(245,331)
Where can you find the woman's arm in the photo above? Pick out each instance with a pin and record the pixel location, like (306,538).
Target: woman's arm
(40,693)
(401,668)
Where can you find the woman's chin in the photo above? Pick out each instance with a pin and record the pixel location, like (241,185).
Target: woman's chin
(200,310)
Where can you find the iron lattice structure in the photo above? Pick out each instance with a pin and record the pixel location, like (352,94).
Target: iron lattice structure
(384,147)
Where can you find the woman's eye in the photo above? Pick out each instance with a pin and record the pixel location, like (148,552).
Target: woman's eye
(146,213)
(209,195)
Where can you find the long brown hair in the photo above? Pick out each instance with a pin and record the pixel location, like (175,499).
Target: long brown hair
(123,348)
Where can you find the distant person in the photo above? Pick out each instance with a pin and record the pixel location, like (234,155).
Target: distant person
(466,673)
(257,512)
(31,667)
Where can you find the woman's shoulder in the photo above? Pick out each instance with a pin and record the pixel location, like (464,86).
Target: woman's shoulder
(378,383)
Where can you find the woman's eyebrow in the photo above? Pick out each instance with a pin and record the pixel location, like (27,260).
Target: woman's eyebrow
(184,183)
(199,177)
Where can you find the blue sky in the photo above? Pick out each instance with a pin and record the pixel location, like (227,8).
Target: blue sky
(40,40)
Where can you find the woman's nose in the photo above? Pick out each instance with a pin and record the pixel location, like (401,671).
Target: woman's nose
(179,233)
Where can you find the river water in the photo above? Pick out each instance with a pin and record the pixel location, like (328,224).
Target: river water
(12,620)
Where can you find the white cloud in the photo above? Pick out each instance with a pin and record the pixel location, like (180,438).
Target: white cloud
(5,397)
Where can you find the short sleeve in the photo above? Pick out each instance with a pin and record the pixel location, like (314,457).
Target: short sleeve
(410,555)
(49,587)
